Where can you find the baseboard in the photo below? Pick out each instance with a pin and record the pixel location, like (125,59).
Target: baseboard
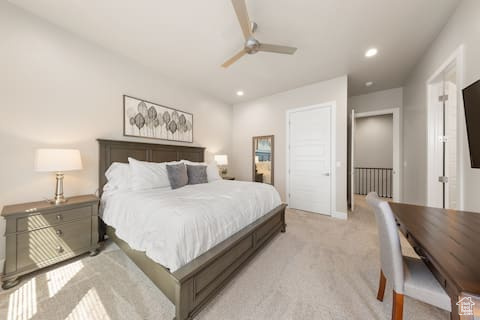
(339,215)
(2,265)
(336,214)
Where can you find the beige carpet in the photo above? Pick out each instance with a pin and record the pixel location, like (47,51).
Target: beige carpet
(321,268)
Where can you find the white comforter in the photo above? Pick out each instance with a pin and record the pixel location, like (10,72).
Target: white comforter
(174,227)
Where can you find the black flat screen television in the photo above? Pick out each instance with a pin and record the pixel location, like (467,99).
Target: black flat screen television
(471,101)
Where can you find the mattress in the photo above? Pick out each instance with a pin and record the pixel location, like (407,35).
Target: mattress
(173,227)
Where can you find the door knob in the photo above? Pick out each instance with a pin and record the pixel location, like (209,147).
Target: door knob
(327,174)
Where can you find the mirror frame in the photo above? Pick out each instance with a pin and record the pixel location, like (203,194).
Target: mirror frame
(272,137)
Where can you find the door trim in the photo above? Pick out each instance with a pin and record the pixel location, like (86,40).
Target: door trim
(333,176)
(352,160)
(395,112)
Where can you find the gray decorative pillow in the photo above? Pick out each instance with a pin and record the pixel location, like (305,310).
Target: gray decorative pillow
(177,175)
(197,174)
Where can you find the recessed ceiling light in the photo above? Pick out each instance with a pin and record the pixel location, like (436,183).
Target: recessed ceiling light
(240,93)
(371,52)
(369,83)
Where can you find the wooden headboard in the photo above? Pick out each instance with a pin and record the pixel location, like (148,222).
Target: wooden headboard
(119,151)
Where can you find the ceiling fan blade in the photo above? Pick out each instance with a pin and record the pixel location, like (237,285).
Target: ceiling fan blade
(276,49)
(242,15)
(233,59)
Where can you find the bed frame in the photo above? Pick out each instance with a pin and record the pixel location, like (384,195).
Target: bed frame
(192,286)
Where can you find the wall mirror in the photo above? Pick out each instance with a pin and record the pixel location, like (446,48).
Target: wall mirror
(262,156)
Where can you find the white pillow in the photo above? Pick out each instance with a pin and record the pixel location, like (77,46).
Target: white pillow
(118,177)
(148,175)
(212,169)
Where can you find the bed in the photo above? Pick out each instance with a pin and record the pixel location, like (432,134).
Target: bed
(191,284)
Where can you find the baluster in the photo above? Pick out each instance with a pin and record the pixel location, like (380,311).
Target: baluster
(391,183)
(358,181)
(371,173)
(382,184)
(364,180)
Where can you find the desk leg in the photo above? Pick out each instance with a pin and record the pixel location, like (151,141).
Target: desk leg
(454,314)
(471,303)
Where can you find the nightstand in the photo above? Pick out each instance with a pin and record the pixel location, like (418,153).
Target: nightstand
(39,234)
(228,178)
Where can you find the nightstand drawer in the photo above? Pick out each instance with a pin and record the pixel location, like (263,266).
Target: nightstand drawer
(42,220)
(41,246)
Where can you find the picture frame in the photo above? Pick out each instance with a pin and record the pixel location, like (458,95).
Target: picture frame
(146,119)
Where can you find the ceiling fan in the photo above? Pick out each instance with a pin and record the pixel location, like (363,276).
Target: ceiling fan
(252,45)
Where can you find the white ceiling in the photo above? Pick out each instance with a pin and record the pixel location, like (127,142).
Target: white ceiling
(188,40)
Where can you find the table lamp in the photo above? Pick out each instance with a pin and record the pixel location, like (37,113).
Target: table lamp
(222,162)
(58,161)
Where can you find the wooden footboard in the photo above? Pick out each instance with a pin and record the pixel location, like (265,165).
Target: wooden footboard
(192,286)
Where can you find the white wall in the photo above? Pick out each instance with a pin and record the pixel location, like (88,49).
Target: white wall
(385,99)
(462,28)
(267,116)
(373,142)
(60,91)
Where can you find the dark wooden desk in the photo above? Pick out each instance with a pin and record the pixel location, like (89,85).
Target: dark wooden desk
(449,243)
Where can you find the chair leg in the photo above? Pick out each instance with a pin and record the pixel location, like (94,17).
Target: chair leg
(397,307)
(381,286)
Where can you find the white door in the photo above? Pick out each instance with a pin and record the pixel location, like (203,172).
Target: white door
(352,166)
(435,163)
(442,193)
(451,145)
(310,159)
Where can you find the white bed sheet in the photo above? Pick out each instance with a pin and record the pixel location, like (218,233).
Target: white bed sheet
(173,227)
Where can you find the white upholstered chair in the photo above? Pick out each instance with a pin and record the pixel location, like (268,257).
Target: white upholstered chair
(409,276)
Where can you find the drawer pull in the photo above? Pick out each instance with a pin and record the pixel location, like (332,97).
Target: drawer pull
(59,217)
(59,232)
(59,249)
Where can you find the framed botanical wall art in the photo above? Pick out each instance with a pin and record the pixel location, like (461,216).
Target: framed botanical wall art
(146,119)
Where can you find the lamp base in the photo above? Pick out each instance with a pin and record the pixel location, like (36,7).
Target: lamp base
(223,171)
(58,201)
(59,198)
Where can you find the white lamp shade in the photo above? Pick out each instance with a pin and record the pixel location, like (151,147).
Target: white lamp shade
(221,159)
(57,160)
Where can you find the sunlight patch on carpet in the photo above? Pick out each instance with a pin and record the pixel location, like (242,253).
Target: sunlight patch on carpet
(58,278)
(90,307)
(22,304)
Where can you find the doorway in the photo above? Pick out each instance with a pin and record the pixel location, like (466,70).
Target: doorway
(311,158)
(375,154)
(443,190)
